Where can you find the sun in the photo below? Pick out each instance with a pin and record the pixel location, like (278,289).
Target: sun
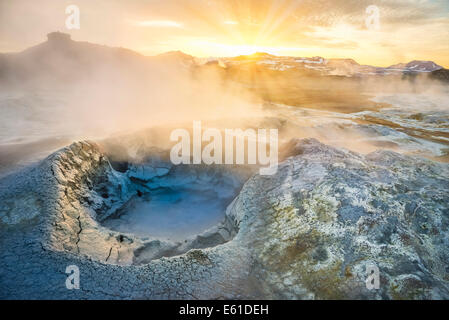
(202,48)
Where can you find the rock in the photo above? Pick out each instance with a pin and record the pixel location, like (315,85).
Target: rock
(50,218)
(307,232)
(328,213)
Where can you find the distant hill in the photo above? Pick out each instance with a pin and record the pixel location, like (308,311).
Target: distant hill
(254,56)
(60,60)
(416,66)
(176,57)
(336,67)
(441,74)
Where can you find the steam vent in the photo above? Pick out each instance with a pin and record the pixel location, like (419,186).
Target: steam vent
(328,212)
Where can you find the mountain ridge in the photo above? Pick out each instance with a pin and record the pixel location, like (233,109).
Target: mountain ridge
(62,58)
(60,37)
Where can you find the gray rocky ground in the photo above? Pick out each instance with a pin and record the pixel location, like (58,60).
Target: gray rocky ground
(307,232)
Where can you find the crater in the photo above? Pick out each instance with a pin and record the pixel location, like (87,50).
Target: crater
(135,211)
(175,203)
(168,210)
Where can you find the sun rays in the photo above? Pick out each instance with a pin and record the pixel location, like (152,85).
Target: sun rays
(214,28)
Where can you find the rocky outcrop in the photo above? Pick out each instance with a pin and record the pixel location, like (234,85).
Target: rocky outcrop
(307,232)
(328,214)
(50,218)
(87,190)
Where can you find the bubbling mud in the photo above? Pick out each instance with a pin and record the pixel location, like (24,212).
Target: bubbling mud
(177,204)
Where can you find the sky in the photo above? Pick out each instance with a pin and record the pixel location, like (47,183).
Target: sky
(406,29)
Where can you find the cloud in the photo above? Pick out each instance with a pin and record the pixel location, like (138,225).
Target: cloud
(409,29)
(158,24)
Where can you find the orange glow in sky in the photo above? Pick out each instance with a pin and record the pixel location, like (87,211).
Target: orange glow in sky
(408,29)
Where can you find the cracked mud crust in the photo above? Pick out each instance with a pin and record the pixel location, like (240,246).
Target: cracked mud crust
(306,232)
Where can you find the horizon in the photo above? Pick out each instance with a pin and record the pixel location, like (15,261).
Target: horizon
(405,30)
(222,57)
